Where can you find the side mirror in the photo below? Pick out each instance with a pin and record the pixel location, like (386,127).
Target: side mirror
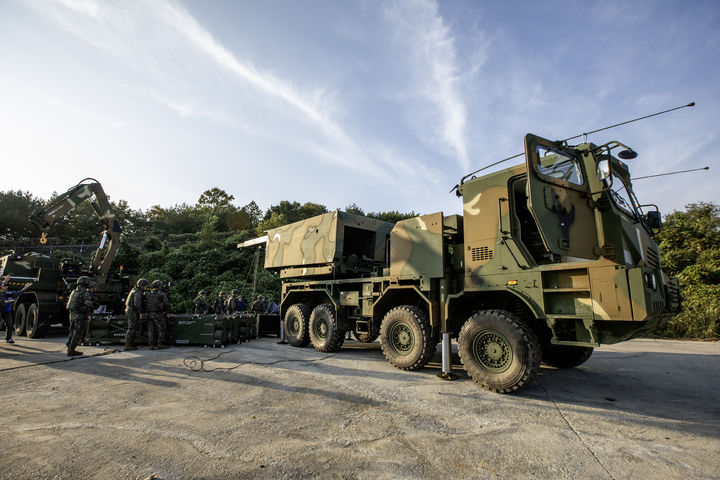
(653,220)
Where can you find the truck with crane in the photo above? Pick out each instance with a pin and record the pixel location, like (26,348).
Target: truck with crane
(550,259)
(44,303)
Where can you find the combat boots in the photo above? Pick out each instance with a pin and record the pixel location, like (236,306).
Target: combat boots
(129,346)
(73,353)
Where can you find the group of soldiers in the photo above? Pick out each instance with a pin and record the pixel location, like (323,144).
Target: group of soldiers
(145,301)
(150,302)
(233,303)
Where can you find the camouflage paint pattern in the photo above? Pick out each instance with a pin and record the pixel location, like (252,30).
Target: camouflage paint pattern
(416,247)
(549,234)
(334,242)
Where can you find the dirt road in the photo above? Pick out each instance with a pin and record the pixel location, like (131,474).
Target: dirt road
(641,409)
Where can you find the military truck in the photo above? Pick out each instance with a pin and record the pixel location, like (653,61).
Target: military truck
(550,259)
(44,303)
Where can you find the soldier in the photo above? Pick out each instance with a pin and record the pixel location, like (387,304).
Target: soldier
(6,300)
(157,305)
(234,303)
(134,308)
(80,305)
(259,305)
(219,305)
(272,308)
(200,305)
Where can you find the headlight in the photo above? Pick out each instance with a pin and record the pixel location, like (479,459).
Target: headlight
(650,280)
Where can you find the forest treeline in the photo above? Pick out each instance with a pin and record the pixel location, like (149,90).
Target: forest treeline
(191,246)
(195,247)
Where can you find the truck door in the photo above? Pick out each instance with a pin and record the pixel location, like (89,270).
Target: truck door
(558,195)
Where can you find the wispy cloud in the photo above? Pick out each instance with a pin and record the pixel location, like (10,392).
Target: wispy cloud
(423,32)
(179,62)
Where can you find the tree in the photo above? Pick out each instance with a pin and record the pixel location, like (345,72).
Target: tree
(690,249)
(215,198)
(15,208)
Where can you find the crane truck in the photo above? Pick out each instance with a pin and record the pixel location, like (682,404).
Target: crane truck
(44,303)
(550,259)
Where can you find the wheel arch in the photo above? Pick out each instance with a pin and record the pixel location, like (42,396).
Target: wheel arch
(396,295)
(310,297)
(462,307)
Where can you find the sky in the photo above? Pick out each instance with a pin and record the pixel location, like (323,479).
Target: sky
(385,104)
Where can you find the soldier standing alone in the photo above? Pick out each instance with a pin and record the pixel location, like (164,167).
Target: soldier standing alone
(80,305)
(157,304)
(134,308)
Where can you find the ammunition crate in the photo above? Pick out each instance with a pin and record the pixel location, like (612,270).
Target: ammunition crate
(110,329)
(241,326)
(208,330)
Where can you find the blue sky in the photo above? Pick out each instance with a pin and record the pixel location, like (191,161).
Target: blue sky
(381,103)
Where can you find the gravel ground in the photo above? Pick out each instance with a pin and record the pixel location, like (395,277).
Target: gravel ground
(640,409)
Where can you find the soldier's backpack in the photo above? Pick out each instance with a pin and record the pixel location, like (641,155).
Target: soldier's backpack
(75,302)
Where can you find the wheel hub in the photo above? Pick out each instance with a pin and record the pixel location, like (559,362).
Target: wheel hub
(402,338)
(294,326)
(492,351)
(321,329)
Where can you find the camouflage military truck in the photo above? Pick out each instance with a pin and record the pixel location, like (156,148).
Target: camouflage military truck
(44,303)
(549,260)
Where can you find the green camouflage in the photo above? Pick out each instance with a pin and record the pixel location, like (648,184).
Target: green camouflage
(556,253)
(332,243)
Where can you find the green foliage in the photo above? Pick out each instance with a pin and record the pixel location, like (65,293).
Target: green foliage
(15,208)
(289,212)
(690,250)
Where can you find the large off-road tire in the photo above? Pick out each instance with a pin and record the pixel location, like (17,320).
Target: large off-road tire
(365,337)
(297,319)
(20,313)
(565,356)
(34,327)
(499,351)
(406,338)
(325,332)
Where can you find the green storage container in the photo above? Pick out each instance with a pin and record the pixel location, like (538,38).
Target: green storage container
(208,330)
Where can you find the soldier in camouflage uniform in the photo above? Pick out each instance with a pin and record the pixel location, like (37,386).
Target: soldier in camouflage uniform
(80,305)
(234,303)
(219,305)
(157,305)
(200,305)
(134,309)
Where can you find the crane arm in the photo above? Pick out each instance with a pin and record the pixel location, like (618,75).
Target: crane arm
(93,191)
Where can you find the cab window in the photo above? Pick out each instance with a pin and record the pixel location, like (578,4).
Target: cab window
(557,166)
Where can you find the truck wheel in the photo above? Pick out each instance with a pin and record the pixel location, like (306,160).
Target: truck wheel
(499,351)
(365,337)
(20,319)
(406,338)
(325,334)
(296,325)
(565,356)
(34,327)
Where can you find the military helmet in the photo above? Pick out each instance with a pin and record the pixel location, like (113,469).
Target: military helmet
(222,293)
(202,292)
(143,282)
(236,292)
(92,284)
(157,284)
(84,281)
